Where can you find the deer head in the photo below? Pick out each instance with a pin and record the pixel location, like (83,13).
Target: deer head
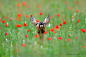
(40,26)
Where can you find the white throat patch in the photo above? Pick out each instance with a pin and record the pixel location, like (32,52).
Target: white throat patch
(41,25)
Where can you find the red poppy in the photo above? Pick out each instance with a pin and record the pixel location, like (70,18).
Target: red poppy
(18,25)
(68,40)
(59,38)
(5,17)
(26,36)
(24,24)
(9,19)
(38,6)
(37,21)
(76,11)
(26,16)
(75,37)
(62,19)
(58,15)
(45,32)
(52,29)
(27,6)
(64,22)
(16,18)
(1,28)
(66,2)
(27,30)
(83,46)
(23,44)
(78,20)
(76,2)
(36,36)
(17,4)
(23,3)
(57,27)
(6,33)
(60,24)
(19,15)
(41,13)
(15,51)
(70,8)
(3,21)
(0,19)
(49,39)
(83,30)
(5,25)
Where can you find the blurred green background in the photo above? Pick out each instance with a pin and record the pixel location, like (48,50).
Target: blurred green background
(15,44)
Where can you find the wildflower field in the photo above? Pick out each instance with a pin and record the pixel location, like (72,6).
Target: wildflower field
(64,36)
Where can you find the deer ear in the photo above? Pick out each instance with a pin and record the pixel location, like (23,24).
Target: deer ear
(47,19)
(33,20)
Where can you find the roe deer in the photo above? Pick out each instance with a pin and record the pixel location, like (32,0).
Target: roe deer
(40,26)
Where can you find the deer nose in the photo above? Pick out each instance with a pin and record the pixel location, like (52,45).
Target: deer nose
(41,23)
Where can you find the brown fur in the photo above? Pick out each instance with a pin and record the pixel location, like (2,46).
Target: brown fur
(41,30)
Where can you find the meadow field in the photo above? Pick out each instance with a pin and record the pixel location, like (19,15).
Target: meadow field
(64,36)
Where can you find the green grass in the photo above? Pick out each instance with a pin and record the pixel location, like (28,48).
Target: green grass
(12,47)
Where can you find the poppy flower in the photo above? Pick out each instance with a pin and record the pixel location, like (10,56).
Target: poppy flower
(78,20)
(6,33)
(1,28)
(18,25)
(51,17)
(83,46)
(19,15)
(68,40)
(62,19)
(76,2)
(41,13)
(52,29)
(9,19)
(58,15)
(60,24)
(5,25)
(0,19)
(37,21)
(83,30)
(23,3)
(16,18)
(66,2)
(64,22)
(57,27)
(17,4)
(38,6)
(45,32)
(26,36)
(23,44)
(27,6)
(70,8)
(49,39)
(24,24)
(27,30)
(3,21)
(26,16)
(36,36)
(76,11)
(15,51)
(39,10)
(5,17)
(75,37)
(59,38)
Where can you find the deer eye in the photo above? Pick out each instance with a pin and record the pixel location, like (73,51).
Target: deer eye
(37,23)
